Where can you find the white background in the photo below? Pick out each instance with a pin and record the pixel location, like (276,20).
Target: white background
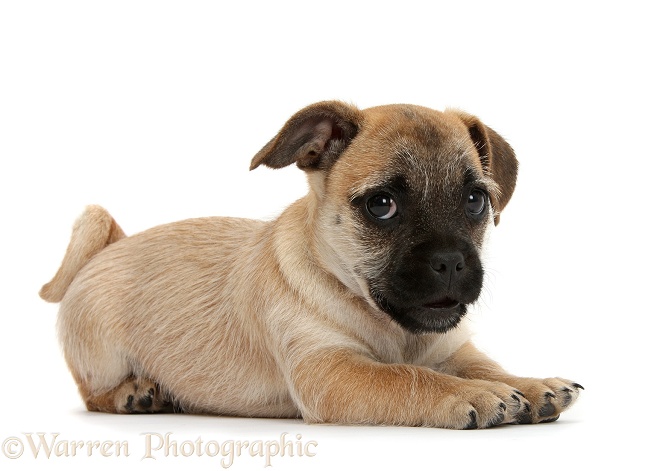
(154,109)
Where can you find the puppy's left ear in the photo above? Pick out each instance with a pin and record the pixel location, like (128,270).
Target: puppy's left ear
(313,138)
(497,160)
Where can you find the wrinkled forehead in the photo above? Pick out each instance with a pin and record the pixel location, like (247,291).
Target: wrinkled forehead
(429,150)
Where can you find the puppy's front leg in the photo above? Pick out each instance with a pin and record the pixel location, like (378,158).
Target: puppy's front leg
(349,388)
(548,397)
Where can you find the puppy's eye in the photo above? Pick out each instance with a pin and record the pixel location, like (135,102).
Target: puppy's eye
(382,206)
(476,203)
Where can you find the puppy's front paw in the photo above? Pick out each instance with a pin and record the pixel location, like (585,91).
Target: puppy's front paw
(139,395)
(548,397)
(484,404)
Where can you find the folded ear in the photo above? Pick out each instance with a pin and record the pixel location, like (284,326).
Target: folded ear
(313,138)
(497,159)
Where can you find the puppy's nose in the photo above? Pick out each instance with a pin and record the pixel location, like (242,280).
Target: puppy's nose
(448,265)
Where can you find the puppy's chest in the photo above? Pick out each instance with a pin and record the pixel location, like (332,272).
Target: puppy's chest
(422,350)
(409,349)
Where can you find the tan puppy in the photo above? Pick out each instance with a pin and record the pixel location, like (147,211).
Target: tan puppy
(348,308)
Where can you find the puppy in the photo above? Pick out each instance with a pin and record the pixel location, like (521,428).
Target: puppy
(349,308)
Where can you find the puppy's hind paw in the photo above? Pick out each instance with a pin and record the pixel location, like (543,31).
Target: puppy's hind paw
(140,396)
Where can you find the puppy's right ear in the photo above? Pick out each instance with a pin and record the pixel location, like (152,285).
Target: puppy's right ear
(313,138)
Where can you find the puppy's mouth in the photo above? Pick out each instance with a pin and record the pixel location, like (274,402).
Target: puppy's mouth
(445,303)
(440,315)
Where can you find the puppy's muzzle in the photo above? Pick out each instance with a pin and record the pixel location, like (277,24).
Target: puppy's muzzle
(430,287)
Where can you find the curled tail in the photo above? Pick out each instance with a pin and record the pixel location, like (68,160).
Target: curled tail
(93,231)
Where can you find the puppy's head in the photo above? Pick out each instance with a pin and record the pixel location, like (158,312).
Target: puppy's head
(403,197)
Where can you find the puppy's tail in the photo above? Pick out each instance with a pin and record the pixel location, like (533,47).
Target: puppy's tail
(93,231)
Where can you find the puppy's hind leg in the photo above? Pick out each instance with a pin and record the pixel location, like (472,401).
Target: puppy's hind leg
(108,381)
(104,375)
(132,396)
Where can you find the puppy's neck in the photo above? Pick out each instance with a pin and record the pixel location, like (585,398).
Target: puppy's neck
(302,253)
